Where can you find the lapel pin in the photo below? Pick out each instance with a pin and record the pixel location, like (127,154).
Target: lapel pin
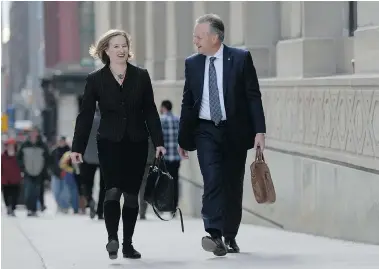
(228,59)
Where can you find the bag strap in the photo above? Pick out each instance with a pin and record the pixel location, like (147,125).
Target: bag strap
(160,158)
(172,216)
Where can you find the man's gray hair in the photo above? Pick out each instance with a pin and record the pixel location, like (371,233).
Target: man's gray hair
(215,24)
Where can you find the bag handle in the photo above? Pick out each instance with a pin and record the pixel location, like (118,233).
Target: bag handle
(157,162)
(259,155)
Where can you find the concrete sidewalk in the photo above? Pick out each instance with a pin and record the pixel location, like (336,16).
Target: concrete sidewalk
(65,241)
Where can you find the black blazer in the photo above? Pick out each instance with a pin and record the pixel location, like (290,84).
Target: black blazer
(128,109)
(242,97)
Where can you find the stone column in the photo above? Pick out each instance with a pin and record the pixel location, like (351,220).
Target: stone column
(156,39)
(222,9)
(170,63)
(138,23)
(312,29)
(184,33)
(366,38)
(128,23)
(179,28)
(236,18)
(102,21)
(261,32)
(198,10)
(118,14)
(149,38)
(113,14)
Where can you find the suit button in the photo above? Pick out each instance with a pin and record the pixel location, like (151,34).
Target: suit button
(122,103)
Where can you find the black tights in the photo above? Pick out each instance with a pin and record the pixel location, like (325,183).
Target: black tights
(112,214)
(122,166)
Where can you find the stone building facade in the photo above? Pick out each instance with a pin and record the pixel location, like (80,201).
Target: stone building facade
(318,65)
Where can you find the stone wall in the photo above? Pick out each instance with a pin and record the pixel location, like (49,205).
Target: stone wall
(322,149)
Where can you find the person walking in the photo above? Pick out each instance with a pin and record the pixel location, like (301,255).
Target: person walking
(222,117)
(58,185)
(33,158)
(88,170)
(170,127)
(10,176)
(125,98)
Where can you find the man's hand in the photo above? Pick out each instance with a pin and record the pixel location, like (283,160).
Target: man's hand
(183,153)
(76,157)
(159,151)
(259,141)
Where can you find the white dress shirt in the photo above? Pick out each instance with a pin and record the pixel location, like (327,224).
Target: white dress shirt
(205,112)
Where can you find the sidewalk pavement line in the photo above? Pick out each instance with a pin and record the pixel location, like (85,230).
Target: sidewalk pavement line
(31,244)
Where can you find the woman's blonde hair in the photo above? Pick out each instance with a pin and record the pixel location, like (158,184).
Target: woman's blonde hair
(98,51)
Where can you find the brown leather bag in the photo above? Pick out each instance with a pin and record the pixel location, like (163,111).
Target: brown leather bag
(261,180)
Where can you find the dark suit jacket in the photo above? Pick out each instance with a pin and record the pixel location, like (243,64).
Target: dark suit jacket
(242,97)
(127,110)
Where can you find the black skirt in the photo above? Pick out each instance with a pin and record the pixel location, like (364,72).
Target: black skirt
(122,163)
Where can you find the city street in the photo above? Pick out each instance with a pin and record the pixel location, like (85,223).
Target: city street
(63,242)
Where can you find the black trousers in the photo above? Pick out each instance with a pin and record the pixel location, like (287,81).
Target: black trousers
(122,165)
(42,194)
(11,193)
(223,167)
(173,170)
(142,203)
(87,173)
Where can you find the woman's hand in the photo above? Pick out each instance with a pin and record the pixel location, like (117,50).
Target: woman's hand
(76,157)
(159,151)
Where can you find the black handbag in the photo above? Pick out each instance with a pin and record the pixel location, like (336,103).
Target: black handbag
(160,191)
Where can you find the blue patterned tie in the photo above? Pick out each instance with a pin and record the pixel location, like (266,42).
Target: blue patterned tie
(214,98)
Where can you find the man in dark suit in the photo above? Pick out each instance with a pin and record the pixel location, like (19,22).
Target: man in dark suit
(222,117)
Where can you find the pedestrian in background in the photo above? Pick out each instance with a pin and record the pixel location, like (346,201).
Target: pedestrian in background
(170,128)
(33,158)
(88,170)
(68,176)
(58,185)
(10,176)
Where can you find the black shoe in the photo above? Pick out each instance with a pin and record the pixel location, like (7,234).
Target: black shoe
(112,248)
(231,245)
(32,214)
(100,217)
(142,217)
(214,244)
(129,251)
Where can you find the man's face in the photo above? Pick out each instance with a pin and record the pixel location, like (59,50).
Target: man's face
(203,39)
(62,143)
(34,135)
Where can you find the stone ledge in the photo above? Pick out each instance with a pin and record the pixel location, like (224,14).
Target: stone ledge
(364,163)
(343,80)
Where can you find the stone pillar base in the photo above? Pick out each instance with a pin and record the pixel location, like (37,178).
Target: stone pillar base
(149,65)
(309,57)
(366,49)
(264,60)
(175,68)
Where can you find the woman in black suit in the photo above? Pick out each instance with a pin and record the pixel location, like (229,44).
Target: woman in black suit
(128,115)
